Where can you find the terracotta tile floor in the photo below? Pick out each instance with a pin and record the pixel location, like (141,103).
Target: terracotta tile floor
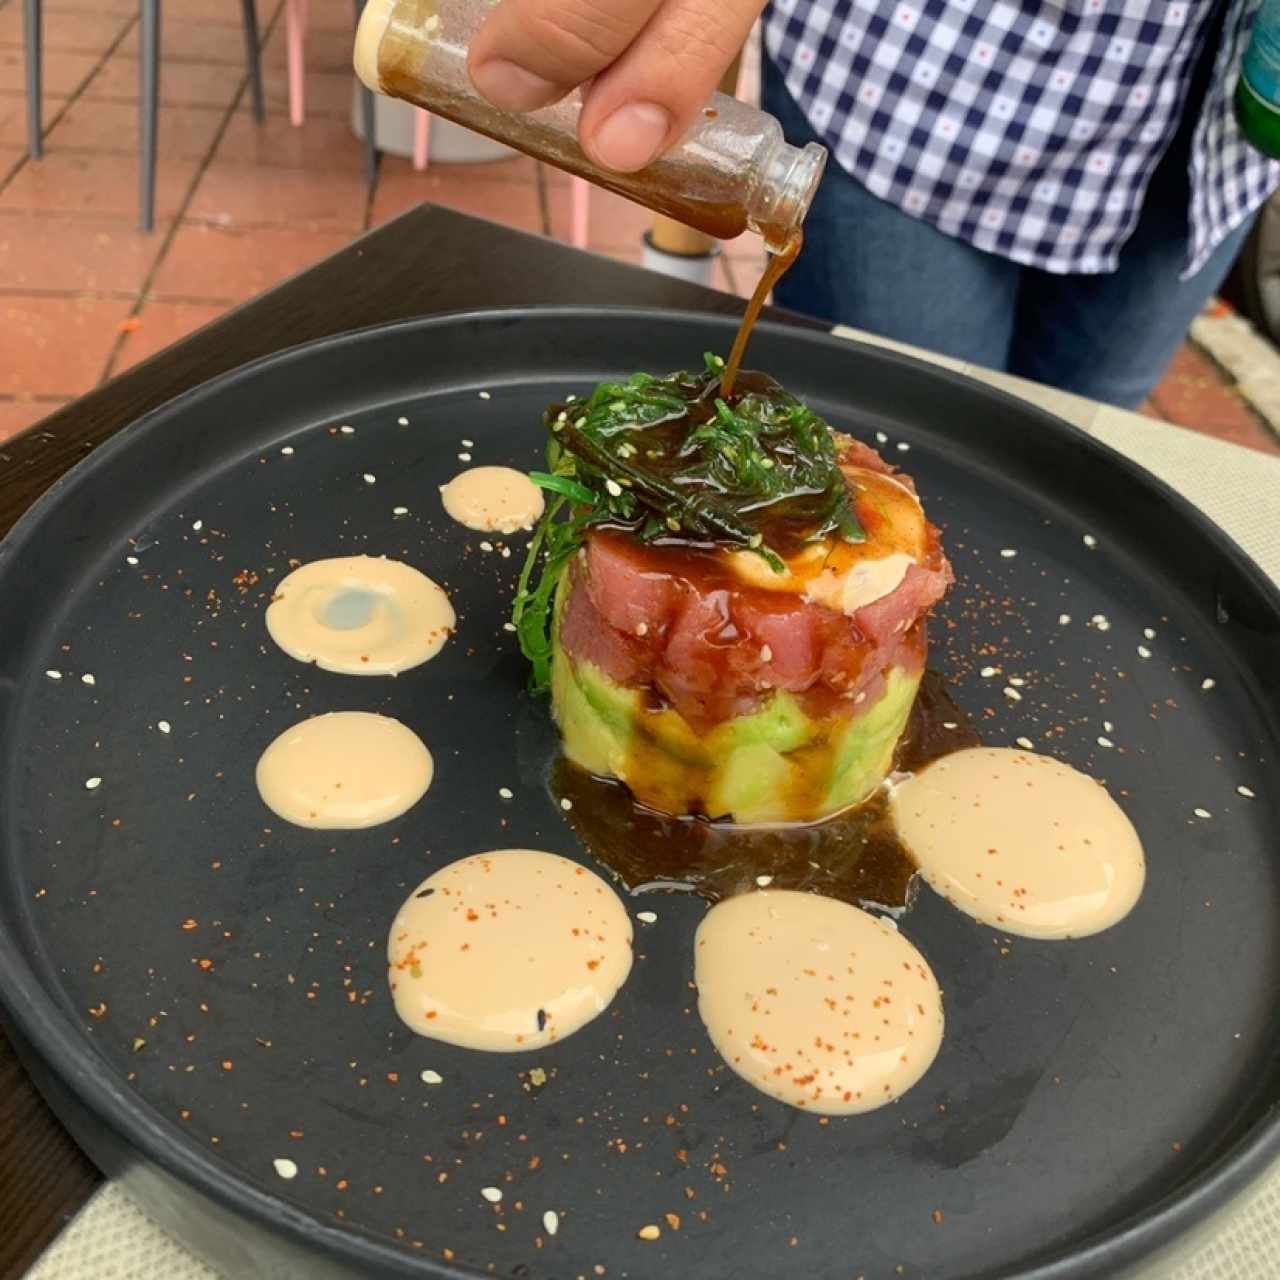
(241,206)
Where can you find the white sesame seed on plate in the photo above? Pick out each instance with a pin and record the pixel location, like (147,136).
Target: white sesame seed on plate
(92,784)
(1090,541)
(432,1077)
(1208,682)
(508,626)
(505,792)
(1149,633)
(468,444)
(987,672)
(491,1194)
(88,678)
(551,1222)
(1100,621)
(53,675)
(1012,693)
(647,917)
(399,511)
(950,724)
(614,488)
(1008,552)
(1202,813)
(285,1167)
(287,450)
(484,395)
(486,545)
(369,478)
(903,446)
(506,553)
(347,429)
(402,421)
(1017,681)
(1063,619)
(1107,726)
(1143,651)
(566,804)
(881,438)
(1105,742)
(197,525)
(464,457)
(1247,792)
(131,559)
(1025,743)
(764,881)
(164,726)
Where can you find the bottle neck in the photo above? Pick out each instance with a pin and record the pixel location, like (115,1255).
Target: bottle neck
(780,199)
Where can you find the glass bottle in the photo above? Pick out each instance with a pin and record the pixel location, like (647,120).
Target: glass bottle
(1258,90)
(732,171)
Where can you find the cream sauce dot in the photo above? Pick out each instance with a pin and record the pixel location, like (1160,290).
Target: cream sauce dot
(344,770)
(493,499)
(814,1002)
(1021,842)
(507,951)
(360,615)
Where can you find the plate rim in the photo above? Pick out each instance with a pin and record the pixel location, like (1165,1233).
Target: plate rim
(63,1049)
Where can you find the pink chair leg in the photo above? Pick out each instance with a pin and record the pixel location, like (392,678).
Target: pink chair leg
(295,22)
(421,138)
(581,209)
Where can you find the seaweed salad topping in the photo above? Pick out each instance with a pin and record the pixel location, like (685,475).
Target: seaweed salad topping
(670,461)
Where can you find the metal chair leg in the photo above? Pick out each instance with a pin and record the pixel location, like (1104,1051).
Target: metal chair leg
(148,106)
(254,58)
(370,128)
(31,38)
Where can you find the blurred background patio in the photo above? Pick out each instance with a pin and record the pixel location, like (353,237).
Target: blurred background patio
(242,205)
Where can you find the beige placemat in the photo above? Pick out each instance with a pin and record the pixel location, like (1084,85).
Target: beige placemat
(110,1239)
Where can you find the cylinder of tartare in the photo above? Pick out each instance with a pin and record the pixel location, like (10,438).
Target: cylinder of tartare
(727,600)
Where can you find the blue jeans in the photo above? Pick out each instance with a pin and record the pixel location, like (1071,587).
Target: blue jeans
(1110,337)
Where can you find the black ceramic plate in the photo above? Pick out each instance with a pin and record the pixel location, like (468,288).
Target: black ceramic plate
(203,987)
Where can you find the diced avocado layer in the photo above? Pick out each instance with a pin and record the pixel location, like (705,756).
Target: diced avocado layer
(774,765)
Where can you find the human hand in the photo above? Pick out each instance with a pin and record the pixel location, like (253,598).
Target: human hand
(652,65)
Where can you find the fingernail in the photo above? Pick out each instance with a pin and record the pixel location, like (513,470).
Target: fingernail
(631,137)
(512,88)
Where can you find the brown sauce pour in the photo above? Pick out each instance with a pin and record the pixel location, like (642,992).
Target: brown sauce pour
(855,856)
(779,265)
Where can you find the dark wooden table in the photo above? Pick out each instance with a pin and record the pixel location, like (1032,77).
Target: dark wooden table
(427,262)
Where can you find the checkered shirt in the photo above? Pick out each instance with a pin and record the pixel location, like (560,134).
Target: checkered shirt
(1028,128)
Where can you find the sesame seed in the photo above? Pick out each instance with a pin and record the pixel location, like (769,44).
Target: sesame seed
(484,395)
(131,559)
(468,444)
(648,1232)
(766,653)
(347,430)
(881,438)
(506,553)
(464,457)
(1090,541)
(197,525)
(551,1222)
(399,511)
(369,478)
(566,804)
(1202,813)
(1100,621)
(92,784)
(163,725)
(491,1194)
(287,450)
(88,678)
(285,1168)
(1143,651)
(1008,553)
(950,724)
(642,628)
(505,792)
(764,881)
(53,675)
(432,1077)
(1017,681)
(1105,742)
(614,488)
(903,446)
(647,917)
(1246,792)
(402,422)
(1025,743)
(987,672)
(1208,682)
(1107,726)
(486,545)
(1149,633)
(1012,693)
(508,626)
